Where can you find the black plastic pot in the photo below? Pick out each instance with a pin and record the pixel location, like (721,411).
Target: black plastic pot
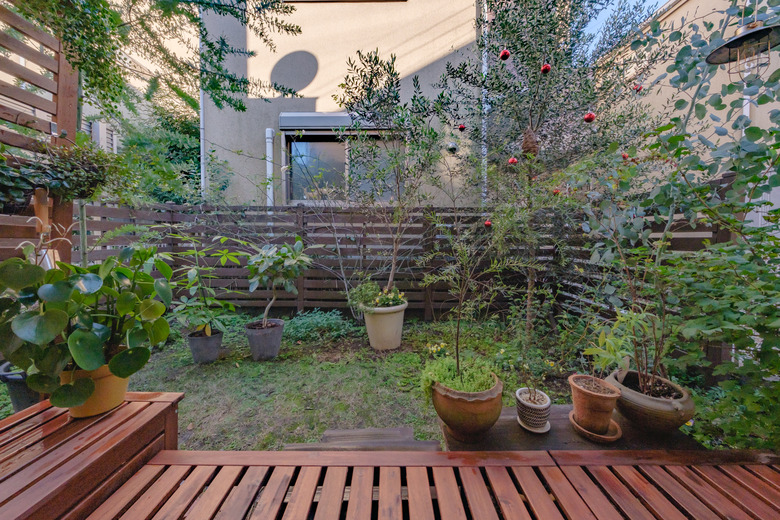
(265,343)
(205,349)
(21,395)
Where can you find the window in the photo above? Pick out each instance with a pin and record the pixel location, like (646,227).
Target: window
(317,166)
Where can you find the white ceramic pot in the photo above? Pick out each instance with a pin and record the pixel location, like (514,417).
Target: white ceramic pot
(534,417)
(384,326)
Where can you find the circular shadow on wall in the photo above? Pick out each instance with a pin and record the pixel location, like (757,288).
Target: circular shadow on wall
(295,70)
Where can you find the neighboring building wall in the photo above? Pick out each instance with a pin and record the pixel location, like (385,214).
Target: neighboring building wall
(423,34)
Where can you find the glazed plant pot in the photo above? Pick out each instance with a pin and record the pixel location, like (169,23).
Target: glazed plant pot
(205,349)
(385,326)
(265,343)
(16,382)
(594,401)
(533,410)
(653,413)
(109,391)
(467,415)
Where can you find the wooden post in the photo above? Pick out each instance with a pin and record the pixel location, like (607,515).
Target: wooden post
(300,283)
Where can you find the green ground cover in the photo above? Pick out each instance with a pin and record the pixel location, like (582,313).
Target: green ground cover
(323,380)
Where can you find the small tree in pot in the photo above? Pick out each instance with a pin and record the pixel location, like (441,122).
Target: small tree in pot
(272,267)
(80,333)
(199,309)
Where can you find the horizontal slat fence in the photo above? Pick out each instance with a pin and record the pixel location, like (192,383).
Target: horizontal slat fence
(38,105)
(344,243)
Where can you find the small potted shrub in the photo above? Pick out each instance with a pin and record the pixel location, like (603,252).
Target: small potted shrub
(273,267)
(383,312)
(80,333)
(198,309)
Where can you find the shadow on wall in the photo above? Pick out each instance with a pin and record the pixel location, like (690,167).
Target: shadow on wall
(295,70)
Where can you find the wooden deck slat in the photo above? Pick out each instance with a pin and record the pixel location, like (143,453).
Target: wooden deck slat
(758,486)
(272,495)
(332,495)
(661,458)
(539,500)
(20,442)
(447,490)
(241,496)
(354,458)
(126,495)
(648,494)
(187,492)
(16,431)
(477,495)
(302,496)
(568,499)
(361,493)
(24,415)
(419,493)
(684,498)
(49,461)
(622,496)
(698,486)
(767,474)
(509,499)
(156,495)
(591,493)
(207,504)
(736,492)
(389,506)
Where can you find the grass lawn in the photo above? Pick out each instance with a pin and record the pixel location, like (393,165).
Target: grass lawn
(316,383)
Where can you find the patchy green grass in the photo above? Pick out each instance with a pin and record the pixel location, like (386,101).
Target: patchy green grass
(314,385)
(5,402)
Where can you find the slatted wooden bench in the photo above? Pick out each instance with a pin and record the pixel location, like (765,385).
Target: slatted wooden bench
(53,466)
(450,485)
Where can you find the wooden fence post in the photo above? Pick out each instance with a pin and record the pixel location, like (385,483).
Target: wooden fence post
(428,237)
(300,283)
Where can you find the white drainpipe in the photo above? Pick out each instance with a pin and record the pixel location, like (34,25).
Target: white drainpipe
(269,166)
(201,113)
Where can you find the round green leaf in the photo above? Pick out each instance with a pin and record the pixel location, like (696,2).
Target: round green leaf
(73,394)
(136,336)
(158,330)
(55,292)
(126,302)
(163,268)
(101,331)
(54,360)
(17,274)
(42,383)
(86,349)
(126,254)
(106,267)
(163,289)
(150,310)
(129,361)
(88,283)
(40,328)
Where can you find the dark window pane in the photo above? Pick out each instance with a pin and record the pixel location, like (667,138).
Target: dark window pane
(316,165)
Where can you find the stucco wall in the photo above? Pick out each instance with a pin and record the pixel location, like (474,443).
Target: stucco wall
(423,34)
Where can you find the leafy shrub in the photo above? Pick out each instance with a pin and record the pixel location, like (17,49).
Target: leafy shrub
(474,375)
(318,324)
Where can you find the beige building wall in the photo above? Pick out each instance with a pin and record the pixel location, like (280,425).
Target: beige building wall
(423,34)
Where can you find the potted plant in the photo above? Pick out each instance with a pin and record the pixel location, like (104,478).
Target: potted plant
(593,402)
(272,267)
(466,396)
(20,394)
(383,312)
(199,309)
(80,333)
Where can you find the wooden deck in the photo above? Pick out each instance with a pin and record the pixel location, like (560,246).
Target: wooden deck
(125,465)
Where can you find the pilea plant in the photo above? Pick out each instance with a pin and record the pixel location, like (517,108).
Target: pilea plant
(72,318)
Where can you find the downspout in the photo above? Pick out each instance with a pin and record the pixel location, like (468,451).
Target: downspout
(201,116)
(269,166)
(483,129)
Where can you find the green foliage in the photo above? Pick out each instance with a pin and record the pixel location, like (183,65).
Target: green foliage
(198,307)
(474,375)
(369,294)
(274,267)
(96,34)
(319,325)
(71,318)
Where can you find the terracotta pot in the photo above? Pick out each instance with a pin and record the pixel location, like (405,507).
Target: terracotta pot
(534,417)
(592,410)
(205,349)
(467,415)
(653,413)
(109,391)
(385,326)
(265,343)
